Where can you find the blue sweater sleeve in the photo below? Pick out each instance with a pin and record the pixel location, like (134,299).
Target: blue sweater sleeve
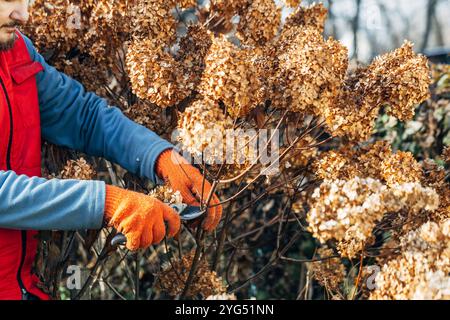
(40,204)
(83,121)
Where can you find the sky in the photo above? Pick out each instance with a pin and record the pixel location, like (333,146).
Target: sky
(407,22)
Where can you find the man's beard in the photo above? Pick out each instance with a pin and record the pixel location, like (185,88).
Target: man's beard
(7,45)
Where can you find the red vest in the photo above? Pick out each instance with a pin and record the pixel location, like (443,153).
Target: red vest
(20,151)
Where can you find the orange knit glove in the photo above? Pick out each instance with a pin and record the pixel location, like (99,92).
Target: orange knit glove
(139,217)
(181,176)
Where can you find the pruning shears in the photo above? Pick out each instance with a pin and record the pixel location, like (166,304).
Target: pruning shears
(186,213)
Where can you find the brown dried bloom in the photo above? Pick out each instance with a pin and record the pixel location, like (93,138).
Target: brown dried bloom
(292,3)
(422,269)
(152,19)
(231,76)
(446,155)
(353,116)
(404,80)
(50,24)
(347,162)
(155,75)
(206,283)
(224,296)
(192,53)
(259,23)
(78,169)
(399,79)
(433,174)
(309,71)
(368,159)
(165,79)
(443,212)
(401,167)
(167,195)
(301,154)
(96,28)
(312,16)
(330,272)
(150,116)
(202,130)
(194,46)
(108,28)
(186,3)
(435,177)
(349,210)
(226,9)
(374,160)
(336,164)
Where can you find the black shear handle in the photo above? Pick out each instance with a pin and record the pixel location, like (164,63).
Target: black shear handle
(187,214)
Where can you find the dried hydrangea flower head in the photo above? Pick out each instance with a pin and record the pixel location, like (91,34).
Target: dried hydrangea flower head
(152,117)
(404,80)
(227,9)
(312,16)
(401,167)
(166,78)
(202,130)
(329,272)
(49,25)
(310,71)
(231,76)
(292,3)
(79,38)
(194,47)
(167,195)
(422,270)
(78,169)
(259,23)
(173,277)
(155,75)
(301,155)
(152,19)
(347,211)
(108,28)
(186,3)
(93,27)
(348,162)
(399,79)
(374,160)
(446,155)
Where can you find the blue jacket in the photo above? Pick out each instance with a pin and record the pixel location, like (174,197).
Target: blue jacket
(80,120)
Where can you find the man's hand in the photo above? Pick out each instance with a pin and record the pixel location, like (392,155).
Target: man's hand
(139,217)
(183,177)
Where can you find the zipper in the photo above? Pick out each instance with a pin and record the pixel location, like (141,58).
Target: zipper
(22,259)
(8,152)
(25,294)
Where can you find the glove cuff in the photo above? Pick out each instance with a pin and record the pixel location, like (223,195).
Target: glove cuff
(112,200)
(163,162)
